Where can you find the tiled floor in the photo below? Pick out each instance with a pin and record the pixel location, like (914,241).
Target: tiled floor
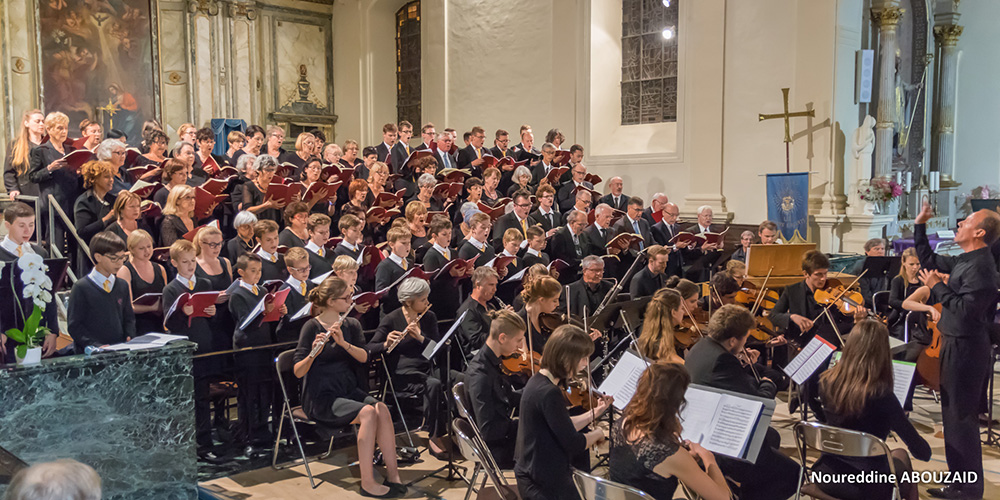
(337,480)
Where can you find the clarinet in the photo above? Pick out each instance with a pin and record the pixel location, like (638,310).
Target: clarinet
(326,335)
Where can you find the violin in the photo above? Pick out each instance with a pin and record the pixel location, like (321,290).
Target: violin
(520,363)
(581,395)
(929,361)
(846,301)
(688,333)
(750,295)
(548,322)
(765,329)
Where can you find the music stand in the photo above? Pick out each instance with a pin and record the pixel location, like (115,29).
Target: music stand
(882,267)
(9,466)
(988,204)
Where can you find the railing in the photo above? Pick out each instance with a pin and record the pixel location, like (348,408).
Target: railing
(55,209)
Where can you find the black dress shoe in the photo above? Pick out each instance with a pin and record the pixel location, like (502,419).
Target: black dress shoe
(210,457)
(389,494)
(399,488)
(952,491)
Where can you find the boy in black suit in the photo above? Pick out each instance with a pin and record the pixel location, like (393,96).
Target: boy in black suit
(272,263)
(19,219)
(320,257)
(297,262)
(102,293)
(393,267)
(534,252)
(475,244)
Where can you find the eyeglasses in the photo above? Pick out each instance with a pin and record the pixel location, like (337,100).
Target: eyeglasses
(212,244)
(188,197)
(116,258)
(523,205)
(301,269)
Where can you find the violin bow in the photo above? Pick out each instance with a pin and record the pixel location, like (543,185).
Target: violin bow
(694,322)
(531,347)
(750,364)
(760,295)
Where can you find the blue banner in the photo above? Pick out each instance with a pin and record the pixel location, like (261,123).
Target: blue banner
(788,205)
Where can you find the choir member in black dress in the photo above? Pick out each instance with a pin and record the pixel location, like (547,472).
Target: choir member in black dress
(273,265)
(19,221)
(424,190)
(237,140)
(17,162)
(491,179)
(127,210)
(187,132)
(416,223)
(713,362)
(218,271)
(317,203)
(156,141)
(900,288)
(393,267)
(476,243)
(334,389)
(92,209)
(549,441)
(350,159)
(412,373)
(297,262)
(175,173)
(476,324)
(446,290)
(521,181)
(184,152)
(320,257)
(47,169)
(534,253)
(198,330)
(253,368)
(304,149)
(255,141)
(101,291)
(178,215)
(295,232)
(858,395)
(143,276)
(647,451)
(650,278)
(657,340)
(254,192)
(243,241)
(493,397)
(275,138)
(113,152)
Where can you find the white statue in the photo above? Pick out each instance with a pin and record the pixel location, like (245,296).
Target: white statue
(862,147)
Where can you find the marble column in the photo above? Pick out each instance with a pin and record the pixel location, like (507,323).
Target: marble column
(946,37)
(887,18)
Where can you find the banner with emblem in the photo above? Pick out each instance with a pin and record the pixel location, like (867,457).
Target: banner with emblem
(788,205)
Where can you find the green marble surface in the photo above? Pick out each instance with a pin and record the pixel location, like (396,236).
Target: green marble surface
(130,415)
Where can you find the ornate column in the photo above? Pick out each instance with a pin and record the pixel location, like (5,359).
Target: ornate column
(946,37)
(887,18)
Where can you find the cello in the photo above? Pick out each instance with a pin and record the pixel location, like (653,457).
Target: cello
(929,361)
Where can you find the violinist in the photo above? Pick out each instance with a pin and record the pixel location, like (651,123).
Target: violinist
(534,272)
(588,291)
(664,314)
(476,324)
(549,441)
(541,297)
(715,362)
(737,270)
(688,290)
(722,291)
(650,278)
(902,300)
(493,397)
(334,390)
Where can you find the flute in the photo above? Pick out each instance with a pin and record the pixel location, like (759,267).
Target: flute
(326,335)
(414,322)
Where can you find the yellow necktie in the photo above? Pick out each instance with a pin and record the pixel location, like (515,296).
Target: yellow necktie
(20,252)
(407,148)
(403,263)
(447,255)
(274,258)
(479,153)
(255,289)
(322,252)
(107,285)
(190,284)
(302,286)
(524,227)
(514,262)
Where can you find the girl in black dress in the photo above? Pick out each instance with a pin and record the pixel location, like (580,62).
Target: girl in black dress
(178,215)
(646,445)
(218,271)
(332,359)
(17,162)
(144,276)
(548,439)
(857,394)
(901,288)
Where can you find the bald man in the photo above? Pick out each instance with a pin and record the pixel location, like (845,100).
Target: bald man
(653,213)
(616,199)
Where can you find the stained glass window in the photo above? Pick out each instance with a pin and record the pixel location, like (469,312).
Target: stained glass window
(649,61)
(408,63)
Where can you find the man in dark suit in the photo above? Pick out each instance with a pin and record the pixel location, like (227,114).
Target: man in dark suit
(427,136)
(650,278)
(632,223)
(654,213)
(570,244)
(600,232)
(705,257)
(401,150)
(589,291)
(525,149)
(500,147)
(541,168)
(713,362)
(583,204)
(471,157)
(388,141)
(616,198)
(663,232)
(444,159)
(546,214)
(567,193)
(517,219)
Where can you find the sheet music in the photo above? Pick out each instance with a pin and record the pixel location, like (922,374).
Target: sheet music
(812,356)
(256,311)
(902,377)
(301,313)
(147,341)
(623,379)
(719,422)
(319,279)
(432,347)
(517,276)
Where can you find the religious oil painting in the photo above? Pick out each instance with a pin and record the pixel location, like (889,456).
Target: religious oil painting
(98,62)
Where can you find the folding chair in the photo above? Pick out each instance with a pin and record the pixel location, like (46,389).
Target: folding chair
(880,302)
(478,451)
(836,441)
(284,365)
(597,488)
(463,404)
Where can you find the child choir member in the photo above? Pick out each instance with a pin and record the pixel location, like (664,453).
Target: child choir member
(101,291)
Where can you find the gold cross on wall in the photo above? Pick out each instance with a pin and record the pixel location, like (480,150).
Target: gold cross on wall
(111,109)
(786,115)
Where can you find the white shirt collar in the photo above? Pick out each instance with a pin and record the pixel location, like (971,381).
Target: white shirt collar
(476,243)
(353,248)
(188,283)
(249,286)
(11,247)
(398,260)
(316,249)
(703,228)
(296,284)
(267,256)
(99,279)
(443,251)
(507,254)
(599,226)
(532,251)
(570,229)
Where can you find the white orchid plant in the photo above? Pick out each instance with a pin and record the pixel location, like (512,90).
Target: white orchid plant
(38,288)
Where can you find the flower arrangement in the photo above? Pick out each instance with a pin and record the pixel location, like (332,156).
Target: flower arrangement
(38,288)
(985,192)
(880,189)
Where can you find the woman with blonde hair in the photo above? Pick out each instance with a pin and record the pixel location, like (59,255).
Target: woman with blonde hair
(18,161)
(416,217)
(903,299)
(187,132)
(857,394)
(143,276)
(127,211)
(47,170)
(534,272)
(178,215)
(541,297)
(663,315)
